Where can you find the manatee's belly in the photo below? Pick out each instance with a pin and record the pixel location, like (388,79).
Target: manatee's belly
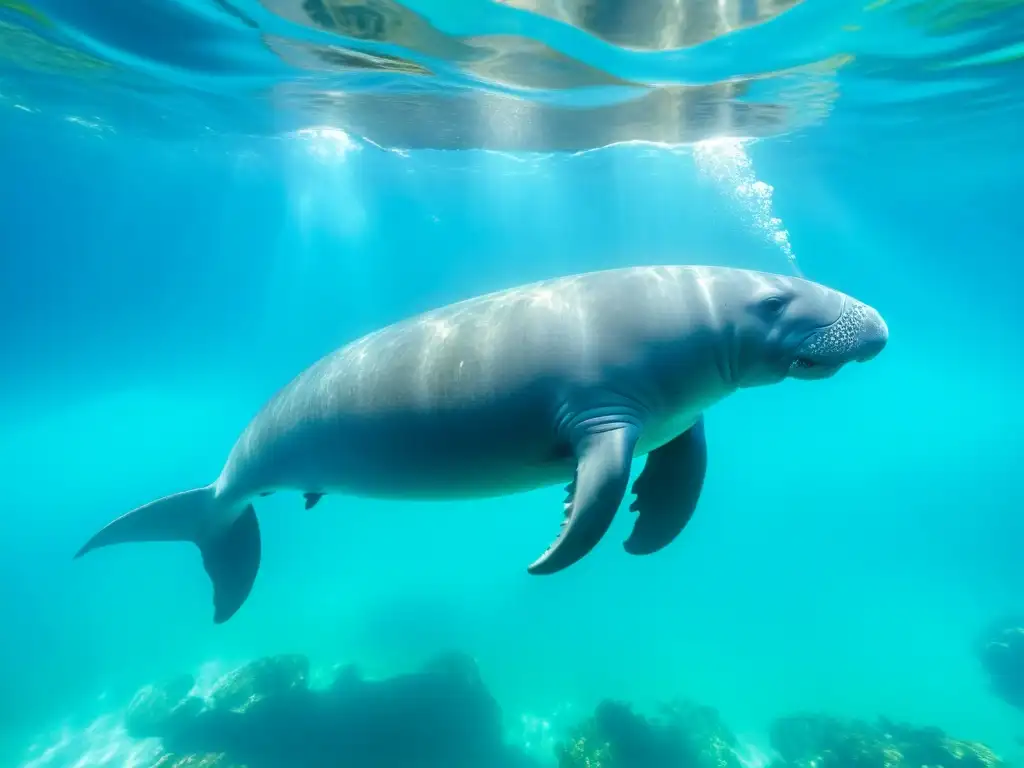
(459,454)
(451,477)
(451,461)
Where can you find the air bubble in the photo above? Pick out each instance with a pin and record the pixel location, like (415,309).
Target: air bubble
(726,161)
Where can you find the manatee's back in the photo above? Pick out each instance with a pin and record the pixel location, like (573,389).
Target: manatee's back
(504,344)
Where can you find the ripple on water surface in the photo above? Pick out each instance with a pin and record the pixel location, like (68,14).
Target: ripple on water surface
(505,75)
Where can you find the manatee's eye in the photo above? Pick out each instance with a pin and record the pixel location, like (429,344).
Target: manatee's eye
(773,305)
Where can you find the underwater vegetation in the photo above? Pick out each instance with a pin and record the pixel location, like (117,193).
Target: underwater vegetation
(1001,652)
(816,741)
(687,735)
(684,734)
(265,714)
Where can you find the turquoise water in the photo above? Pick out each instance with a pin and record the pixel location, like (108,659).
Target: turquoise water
(201,199)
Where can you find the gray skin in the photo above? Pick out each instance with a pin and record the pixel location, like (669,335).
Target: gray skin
(562,381)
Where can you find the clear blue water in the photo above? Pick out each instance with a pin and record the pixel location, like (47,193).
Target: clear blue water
(201,198)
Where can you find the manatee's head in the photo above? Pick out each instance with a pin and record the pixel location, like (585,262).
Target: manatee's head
(793,328)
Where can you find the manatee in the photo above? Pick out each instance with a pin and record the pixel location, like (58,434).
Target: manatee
(560,381)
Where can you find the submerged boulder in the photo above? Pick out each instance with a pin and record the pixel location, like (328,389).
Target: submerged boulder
(169,711)
(442,715)
(159,709)
(271,676)
(688,735)
(710,742)
(1001,651)
(264,715)
(683,735)
(818,741)
(932,747)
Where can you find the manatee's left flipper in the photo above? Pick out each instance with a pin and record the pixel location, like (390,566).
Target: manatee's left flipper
(603,461)
(667,491)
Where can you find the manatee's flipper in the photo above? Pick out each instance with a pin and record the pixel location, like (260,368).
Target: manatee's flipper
(312,499)
(231,555)
(667,491)
(603,461)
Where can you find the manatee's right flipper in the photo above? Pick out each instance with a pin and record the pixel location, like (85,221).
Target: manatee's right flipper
(231,555)
(603,462)
(667,491)
(312,499)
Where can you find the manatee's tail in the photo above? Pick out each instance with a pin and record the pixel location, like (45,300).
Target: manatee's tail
(231,555)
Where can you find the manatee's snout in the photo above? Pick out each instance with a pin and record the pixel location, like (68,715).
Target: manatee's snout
(859,334)
(874,334)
